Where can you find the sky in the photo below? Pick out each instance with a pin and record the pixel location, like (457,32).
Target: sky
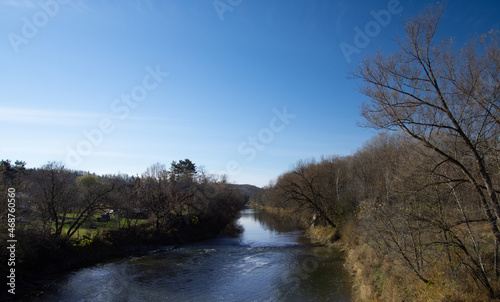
(242,88)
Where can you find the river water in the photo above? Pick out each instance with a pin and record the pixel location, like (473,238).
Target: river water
(269,261)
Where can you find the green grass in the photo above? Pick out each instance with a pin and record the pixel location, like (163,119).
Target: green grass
(92,227)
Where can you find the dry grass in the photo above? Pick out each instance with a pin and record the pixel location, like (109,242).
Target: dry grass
(322,234)
(379,275)
(385,278)
(382,276)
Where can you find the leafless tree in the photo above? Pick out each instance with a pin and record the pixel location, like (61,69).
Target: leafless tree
(310,191)
(93,196)
(54,195)
(153,193)
(445,99)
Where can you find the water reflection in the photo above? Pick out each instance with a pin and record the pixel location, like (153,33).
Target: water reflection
(264,229)
(266,263)
(271,222)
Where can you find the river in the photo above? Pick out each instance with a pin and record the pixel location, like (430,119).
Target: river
(269,261)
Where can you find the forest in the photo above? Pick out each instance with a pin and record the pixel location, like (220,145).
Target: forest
(417,207)
(66,219)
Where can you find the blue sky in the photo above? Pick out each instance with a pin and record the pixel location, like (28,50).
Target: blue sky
(244,88)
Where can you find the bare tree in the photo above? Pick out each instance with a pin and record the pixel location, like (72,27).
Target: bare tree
(433,93)
(153,193)
(123,200)
(93,195)
(54,194)
(304,189)
(447,100)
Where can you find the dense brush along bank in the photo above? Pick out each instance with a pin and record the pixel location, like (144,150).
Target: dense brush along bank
(270,260)
(44,259)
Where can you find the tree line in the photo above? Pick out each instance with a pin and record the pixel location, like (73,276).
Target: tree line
(162,206)
(422,196)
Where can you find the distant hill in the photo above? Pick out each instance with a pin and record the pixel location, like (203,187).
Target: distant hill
(246,190)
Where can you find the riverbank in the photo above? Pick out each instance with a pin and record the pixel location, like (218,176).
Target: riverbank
(384,277)
(376,277)
(269,261)
(42,265)
(319,234)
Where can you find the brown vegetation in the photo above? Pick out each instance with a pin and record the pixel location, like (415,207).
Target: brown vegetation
(418,211)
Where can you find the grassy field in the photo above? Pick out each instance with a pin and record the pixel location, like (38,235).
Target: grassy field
(93,227)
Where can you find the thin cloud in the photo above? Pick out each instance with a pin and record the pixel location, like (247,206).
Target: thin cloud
(18,3)
(33,150)
(46,117)
(56,117)
(61,152)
